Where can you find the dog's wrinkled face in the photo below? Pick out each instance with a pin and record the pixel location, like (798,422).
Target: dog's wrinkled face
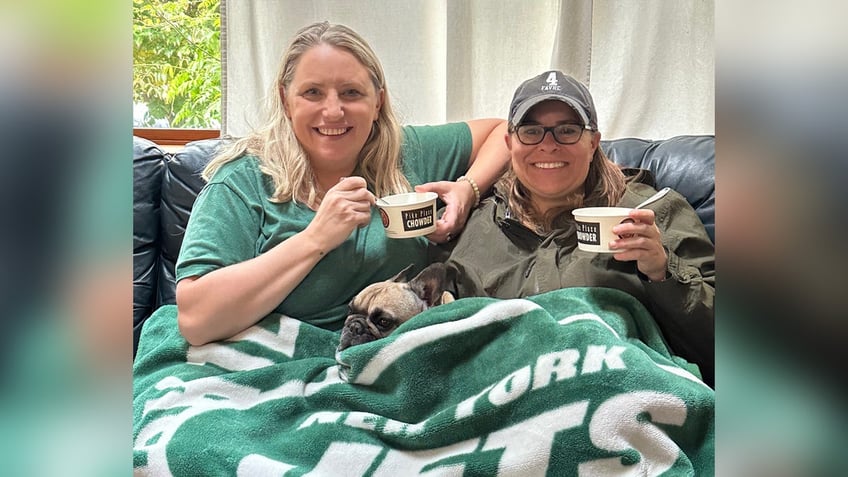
(381,307)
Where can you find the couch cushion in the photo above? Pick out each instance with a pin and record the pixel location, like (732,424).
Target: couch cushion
(148,166)
(180,185)
(684,163)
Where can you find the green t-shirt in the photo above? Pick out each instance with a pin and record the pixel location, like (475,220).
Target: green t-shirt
(232,220)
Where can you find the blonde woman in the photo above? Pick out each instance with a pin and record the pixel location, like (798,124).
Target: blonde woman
(286,222)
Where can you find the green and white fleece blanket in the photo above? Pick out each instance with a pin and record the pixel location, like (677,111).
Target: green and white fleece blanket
(572,382)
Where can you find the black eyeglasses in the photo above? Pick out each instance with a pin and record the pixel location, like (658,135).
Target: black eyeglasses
(532,134)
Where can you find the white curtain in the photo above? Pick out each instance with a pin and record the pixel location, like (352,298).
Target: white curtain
(649,64)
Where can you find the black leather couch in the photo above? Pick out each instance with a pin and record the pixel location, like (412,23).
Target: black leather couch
(165,186)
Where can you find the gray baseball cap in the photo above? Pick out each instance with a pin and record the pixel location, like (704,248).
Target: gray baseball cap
(553,85)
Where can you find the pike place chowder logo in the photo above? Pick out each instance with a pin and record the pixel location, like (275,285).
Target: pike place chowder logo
(385,218)
(417,219)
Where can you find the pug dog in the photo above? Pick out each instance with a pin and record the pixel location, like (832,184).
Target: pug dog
(381,307)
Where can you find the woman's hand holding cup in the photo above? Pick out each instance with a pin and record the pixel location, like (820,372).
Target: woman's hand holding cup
(345,207)
(641,240)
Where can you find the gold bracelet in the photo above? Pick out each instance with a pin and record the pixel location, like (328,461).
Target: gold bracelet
(473,187)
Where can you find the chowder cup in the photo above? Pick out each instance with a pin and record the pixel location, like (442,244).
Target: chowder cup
(594,227)
(408,215)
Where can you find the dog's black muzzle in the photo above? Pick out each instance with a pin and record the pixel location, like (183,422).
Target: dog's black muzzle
(357,330)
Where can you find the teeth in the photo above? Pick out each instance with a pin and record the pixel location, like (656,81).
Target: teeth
(549,165)
(332,132)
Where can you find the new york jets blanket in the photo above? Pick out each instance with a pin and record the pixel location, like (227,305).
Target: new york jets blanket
(572,382)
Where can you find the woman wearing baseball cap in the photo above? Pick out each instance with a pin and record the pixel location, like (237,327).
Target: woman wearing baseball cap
(556,166)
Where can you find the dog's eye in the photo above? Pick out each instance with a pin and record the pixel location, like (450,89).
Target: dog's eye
(382,321)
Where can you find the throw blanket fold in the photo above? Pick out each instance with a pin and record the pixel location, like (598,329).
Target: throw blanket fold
(572,382)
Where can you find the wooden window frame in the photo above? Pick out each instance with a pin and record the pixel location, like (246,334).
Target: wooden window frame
(175,136)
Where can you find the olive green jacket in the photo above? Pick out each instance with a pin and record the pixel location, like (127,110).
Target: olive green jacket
(497,256)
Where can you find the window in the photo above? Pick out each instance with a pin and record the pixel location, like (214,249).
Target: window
(176,70)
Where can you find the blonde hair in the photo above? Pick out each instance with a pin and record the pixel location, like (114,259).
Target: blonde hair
(280,154)
(604,186)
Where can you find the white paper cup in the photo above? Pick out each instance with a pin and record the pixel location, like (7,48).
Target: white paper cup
(594,227)
(408,215)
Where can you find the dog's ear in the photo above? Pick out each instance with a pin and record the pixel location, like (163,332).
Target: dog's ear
(430,283)
(401,276)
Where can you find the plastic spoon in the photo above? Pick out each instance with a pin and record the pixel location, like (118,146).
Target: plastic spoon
(650,200)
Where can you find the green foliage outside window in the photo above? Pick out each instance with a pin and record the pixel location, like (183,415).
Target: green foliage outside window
(177,63)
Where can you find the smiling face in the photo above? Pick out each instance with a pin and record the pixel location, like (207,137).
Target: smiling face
(332,104)
(550,171)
